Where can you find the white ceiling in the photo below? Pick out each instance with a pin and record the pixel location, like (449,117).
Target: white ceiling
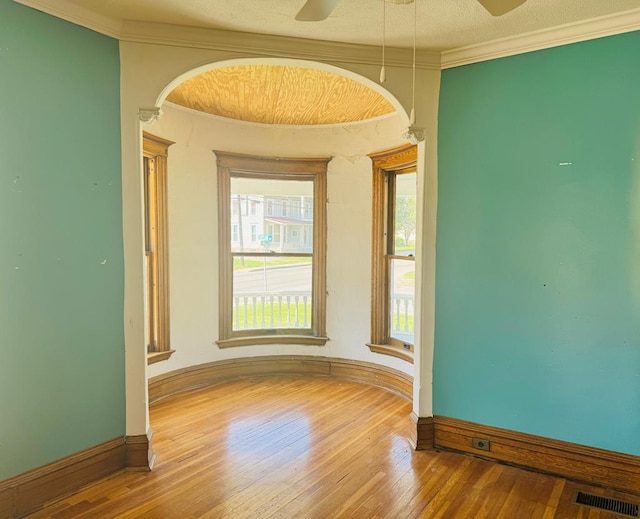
(442,24)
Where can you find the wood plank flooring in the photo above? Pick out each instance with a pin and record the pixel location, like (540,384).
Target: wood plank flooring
(294,447)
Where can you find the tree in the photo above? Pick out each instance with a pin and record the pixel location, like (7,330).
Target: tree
(405,217)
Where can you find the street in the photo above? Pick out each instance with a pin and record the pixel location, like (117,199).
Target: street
(297,278)
(286,278)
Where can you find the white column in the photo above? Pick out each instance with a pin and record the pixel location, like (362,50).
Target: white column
(427,129)
(137,410)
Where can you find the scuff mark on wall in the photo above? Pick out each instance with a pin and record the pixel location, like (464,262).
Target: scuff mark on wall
(15,183)
(353,158)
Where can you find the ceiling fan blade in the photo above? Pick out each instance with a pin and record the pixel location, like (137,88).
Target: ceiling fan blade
(316,10)
(500,7)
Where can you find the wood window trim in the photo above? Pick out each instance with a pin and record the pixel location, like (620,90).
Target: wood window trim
(159,356)
(155,151)
(394,160)
(315,169)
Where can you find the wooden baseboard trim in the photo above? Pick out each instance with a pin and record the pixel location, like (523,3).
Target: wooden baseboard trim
(423,432)
(211,373)
(27,492)
(140,455)
(590,465)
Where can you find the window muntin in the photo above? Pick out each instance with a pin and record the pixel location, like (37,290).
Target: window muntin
(272,279)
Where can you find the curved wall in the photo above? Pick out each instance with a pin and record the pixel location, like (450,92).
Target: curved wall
(147,71)
(193,229)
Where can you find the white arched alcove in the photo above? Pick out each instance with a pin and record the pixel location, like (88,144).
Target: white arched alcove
(149,73)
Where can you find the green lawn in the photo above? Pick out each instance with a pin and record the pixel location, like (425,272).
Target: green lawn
(400,325)
(284,316)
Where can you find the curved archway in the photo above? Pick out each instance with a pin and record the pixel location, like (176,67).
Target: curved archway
(148,74)
(349,151)
(386,94)
(348,148)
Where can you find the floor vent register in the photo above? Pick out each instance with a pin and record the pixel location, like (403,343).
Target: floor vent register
(605,503)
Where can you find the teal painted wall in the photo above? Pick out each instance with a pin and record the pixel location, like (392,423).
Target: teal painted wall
(61,259)
(538,249)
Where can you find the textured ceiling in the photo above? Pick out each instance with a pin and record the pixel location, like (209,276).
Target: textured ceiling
(442,24)
(277,94)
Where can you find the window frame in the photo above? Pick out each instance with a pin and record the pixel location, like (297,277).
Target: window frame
(248,166)
(155,152)
(399,160)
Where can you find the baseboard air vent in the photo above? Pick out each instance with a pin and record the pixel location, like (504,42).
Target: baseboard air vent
(604,503)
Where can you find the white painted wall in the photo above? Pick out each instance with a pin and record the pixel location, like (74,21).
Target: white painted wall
(193,229)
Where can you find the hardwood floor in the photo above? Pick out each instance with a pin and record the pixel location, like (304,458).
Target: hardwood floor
(293,447)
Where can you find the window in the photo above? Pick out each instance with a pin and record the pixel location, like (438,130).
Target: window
(235,233)
(270,207)
(253,208)
(155,151)
(295,209)
(307,209)
(261,303)
(393,254)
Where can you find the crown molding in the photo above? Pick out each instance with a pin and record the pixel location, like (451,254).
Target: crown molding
(273,46)
(609,25)
(232,41)
(70,12)
(287,47)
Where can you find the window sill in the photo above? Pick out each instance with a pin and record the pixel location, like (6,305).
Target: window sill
(305,340)
(394,351)
(158,356)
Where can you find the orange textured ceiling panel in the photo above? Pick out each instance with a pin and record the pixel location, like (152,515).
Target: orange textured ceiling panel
(279,94)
